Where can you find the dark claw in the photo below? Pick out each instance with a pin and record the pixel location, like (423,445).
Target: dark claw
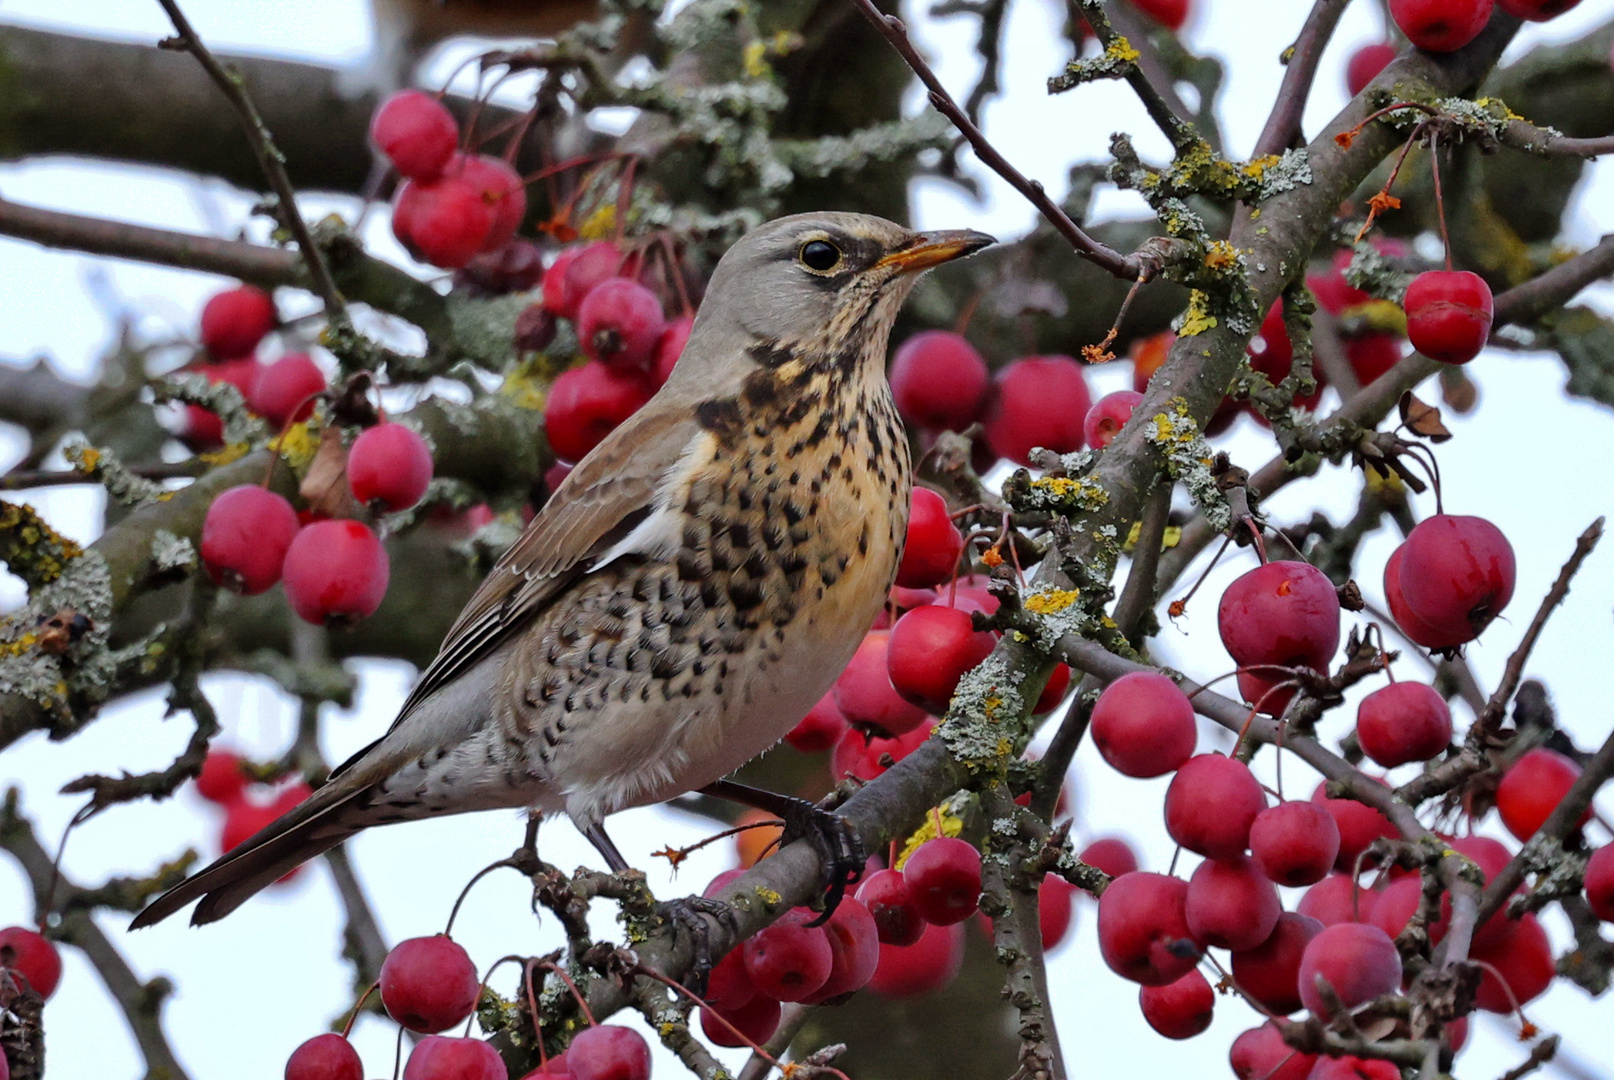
(689,912)
(839,849)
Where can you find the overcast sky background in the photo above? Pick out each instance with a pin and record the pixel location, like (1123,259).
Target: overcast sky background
(251,988)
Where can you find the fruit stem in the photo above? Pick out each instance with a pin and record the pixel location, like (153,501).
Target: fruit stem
(1440,202)
(478,876)
(358,1007)
(497,964)
(537,1022)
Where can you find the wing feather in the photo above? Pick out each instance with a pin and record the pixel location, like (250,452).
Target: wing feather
(609,492)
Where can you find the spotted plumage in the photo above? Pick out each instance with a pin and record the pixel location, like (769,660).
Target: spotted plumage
(693,587)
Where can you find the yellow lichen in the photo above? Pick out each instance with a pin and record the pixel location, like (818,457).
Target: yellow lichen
(1221,256)
(756,64)
(1196,320)
(1255,168)
(950,826)
(767,895)
(1046,603)
(297,445)
(600,224)
(1122,51)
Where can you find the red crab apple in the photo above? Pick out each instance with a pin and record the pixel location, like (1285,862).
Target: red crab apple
(1349,1067)
(929,651)
(1231,904)
(1110,854)
(325,1057)
(854,945)
(930,554)
(789,960)
(1261,1054)
(34,958)
(865,757)
(1143,930)
(1359,825)
(284,390)
(1270,972)
(1168,13)
(864,693)
(1338,898)
(1180,1009)
(586,404)
(444,1057)
(1600,883)
(1440,25)
(1358,961)
(670,346)
(586,268)
(1456,574)
(924,967)
(1448,315)
(416,132)
(235,320)
(245,537)
(608,1052)
(1294,843)
(820,729)
(1536,10)
(1532,788)
(1143,725)
(1365,65)
(896,918)
(1211,804)
(335,572)
(444,221)
(429,984)
(1281,612)
(1037,401)
(222,780)
(389,465)
(500,187)
(619,323)
(939,381)
(944,880)
(1402,722)
(1108,416)
(752,1023)
(1525,961)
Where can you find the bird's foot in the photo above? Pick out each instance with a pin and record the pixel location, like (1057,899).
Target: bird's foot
(840,849)
(689,913)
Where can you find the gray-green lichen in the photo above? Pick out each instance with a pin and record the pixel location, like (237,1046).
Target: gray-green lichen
(1056,613)
(101,464)
(1292,169)
(221,398)
(1188,459)
(172,553)
(984,725)
(485,327)
(85,668)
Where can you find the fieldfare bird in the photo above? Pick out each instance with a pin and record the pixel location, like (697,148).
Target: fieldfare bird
(693,587)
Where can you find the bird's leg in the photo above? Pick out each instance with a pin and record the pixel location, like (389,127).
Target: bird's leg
(838,844)
(687,912)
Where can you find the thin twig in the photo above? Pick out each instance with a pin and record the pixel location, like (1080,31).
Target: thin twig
(362,942)
(791,1020)
(270,159)
(1129,267)
(1541,1053)
(1486,724)
(1149,79)
(1283,123)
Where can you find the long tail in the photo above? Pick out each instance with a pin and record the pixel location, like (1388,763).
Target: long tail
(331,815)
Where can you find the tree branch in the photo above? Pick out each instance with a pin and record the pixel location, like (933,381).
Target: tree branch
(141,1003)
(1282,128)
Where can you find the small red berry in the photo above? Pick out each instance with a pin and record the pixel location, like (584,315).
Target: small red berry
(245,537)
(924,967)
(588,267)
(444,1057)
(325,1057)
(1359,825)
(755,1022)
(1365,65)
(389,465)
(1456,573)
(1261,1054)
(1147,356)
(1600,883)
(1143,725)
(864,756)
(1448,314)
(1402,722)
(670,346)
(939,381)
(619,324)
(1349,1067)
(284,390)
(944,880)
(33,958)
(1110,854)
(335,572)
(1411,625)
(1037,401)
(586,404)
(429,983)
(820,729)
(444,222)
(1108,416)
(1270,972)
(789,960)
(1211,804)
(1181,1009)
(204,429)
(416,132)
(896,918)
(235,320)
(1440,25)
(1532,788)
(854,945)
(1358,961)
(1055,906)
(1524,959)
(501,188)
(1338,898)
(1295,843)
(929,651)
(930,554)
(864,693)
(1053,691)
(222,780)
(608,1052)
(1371,355)
(1282,612)
(1231,904)
(1143,930)
(1168,13)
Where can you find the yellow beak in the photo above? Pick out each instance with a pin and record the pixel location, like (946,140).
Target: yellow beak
(934,248)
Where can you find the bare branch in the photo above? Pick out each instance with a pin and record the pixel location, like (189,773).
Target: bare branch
(1130,267)
(1282,128)
(269,158)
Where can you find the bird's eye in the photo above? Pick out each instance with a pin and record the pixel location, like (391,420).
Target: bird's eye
(820,255)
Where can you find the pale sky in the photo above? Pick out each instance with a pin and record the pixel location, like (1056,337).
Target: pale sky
(252,987)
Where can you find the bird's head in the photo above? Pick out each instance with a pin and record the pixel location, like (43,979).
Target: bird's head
(826,284)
